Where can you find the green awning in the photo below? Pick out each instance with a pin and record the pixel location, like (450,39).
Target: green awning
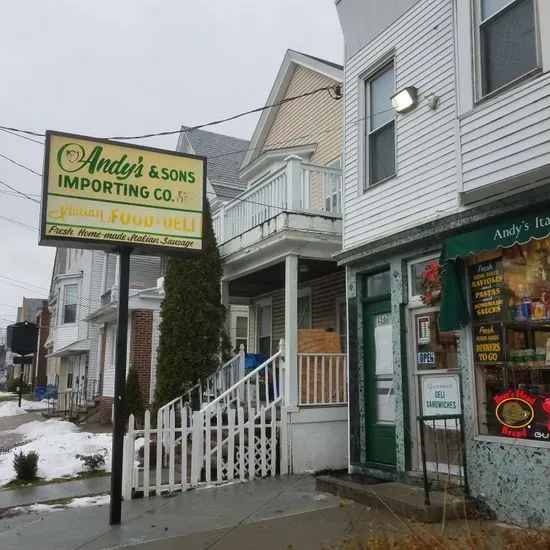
(454,313)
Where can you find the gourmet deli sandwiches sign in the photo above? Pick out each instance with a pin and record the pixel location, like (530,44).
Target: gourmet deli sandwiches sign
(107,194)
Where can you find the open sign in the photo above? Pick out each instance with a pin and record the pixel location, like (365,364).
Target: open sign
(426,358)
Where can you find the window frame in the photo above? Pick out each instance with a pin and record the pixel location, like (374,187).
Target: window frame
(265,302)
(382,66)
(477,23)
(415,299)
(65,304)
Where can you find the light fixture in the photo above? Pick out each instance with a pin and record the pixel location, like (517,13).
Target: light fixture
(304,268)
(405,100)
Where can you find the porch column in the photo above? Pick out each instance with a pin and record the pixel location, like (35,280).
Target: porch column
(291,330)
(225,302)
(294,191)
(104,273)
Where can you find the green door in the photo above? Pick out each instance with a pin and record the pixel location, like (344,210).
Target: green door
(379,388)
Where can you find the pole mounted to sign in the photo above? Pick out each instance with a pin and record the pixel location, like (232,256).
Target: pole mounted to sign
(107,195)
(120,388)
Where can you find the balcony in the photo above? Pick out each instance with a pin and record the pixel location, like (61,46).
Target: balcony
(297,187)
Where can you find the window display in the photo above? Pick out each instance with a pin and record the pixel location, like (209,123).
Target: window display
(510,298)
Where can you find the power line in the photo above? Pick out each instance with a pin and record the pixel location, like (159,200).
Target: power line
(20,224)
(334,88)
(19,192)
(23,282)
(20,165)
(20,136)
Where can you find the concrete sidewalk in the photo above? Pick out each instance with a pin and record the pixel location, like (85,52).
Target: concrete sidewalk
(269,514)
(53,491)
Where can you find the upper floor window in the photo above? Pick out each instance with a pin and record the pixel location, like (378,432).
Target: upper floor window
(70,303)
(380,127)
(507,42)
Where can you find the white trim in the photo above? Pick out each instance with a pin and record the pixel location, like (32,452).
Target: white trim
(291,60)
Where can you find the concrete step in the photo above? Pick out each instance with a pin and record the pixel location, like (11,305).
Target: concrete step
(406,500)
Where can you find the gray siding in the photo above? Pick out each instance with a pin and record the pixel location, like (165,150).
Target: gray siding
(325,294)
(426,183)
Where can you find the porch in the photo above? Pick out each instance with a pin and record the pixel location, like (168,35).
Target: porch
(301,302)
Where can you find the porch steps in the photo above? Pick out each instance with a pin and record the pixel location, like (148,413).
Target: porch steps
(405,500)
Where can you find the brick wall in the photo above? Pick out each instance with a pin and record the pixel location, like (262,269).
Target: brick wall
(140,349)
(105,410)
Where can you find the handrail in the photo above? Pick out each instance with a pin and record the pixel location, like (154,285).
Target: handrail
(241,382)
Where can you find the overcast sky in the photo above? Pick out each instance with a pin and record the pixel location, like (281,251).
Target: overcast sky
(112,67)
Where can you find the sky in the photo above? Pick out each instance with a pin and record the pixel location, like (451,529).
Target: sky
(125,67)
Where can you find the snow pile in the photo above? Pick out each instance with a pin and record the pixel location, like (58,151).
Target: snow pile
(82,502)
(10,408)
(57,443)
(34,405)
(7,394)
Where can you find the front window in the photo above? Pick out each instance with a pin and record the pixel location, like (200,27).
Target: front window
(510,297)
(70,303)
(380,126)
(507,42)
(241,332)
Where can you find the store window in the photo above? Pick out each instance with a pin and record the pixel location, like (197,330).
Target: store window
(510,299)
(416,272)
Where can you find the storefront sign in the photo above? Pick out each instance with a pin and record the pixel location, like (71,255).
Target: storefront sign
(440,395)
(107,194)
(515,412)
(487,288)
(489,343)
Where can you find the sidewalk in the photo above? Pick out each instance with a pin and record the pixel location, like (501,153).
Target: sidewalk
(269,514)
(53,491)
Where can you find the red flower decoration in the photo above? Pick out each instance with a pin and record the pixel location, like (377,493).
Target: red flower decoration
(431,283)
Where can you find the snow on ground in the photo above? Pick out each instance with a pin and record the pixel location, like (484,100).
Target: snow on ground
(82,502)
(11,408)
(57,443)
(7,394)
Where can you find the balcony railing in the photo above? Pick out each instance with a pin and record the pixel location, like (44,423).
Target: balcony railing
(295,187)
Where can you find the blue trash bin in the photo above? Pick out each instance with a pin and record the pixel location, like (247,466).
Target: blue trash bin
(39,394)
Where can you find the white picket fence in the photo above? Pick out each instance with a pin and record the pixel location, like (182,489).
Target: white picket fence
(239,435)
